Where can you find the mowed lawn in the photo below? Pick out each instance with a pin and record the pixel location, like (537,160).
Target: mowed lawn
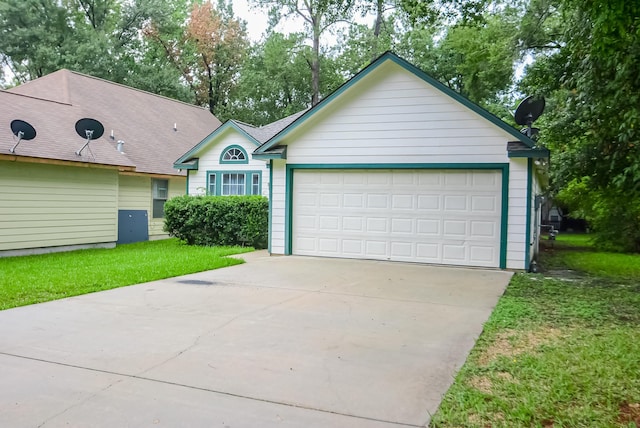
(561,349)
(40,278)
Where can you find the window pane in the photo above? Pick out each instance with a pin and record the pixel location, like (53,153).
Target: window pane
(233,154)
(160,193)
(212,184)
(160,189)
(233,184)
(255,184)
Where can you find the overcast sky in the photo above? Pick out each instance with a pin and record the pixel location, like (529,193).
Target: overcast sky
(257,20)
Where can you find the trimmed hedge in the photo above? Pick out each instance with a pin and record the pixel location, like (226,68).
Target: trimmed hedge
(218,220)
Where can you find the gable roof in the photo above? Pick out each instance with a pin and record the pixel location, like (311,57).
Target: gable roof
(144,121)
(270,146)
(257,135)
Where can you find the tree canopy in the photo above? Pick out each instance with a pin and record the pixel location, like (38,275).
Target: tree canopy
(582,55)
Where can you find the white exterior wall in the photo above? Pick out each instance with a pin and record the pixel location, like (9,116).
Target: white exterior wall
(517,229)
(210,161)
(393,117)
(277,207)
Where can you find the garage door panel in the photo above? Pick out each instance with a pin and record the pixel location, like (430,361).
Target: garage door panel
(403,202)
(428,216)
(455,203)
(429,202)
(484,203)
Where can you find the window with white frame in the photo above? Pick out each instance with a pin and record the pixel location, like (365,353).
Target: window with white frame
(233,154)
(160,193)
(233,184)
(229,183)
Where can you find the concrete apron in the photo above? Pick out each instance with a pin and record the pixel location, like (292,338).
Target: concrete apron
(278,341)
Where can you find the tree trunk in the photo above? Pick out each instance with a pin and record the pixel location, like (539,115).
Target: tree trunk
(315,64)
(376,28)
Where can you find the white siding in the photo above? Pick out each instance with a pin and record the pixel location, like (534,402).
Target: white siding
(210,161)
(516,233)
(51,205)
(277,204)
(393,116)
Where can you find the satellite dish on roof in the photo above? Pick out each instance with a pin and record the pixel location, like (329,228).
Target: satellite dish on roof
(527,112)
(90,129)
(22,130)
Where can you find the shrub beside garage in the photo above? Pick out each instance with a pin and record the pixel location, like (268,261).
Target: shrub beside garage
(218,220)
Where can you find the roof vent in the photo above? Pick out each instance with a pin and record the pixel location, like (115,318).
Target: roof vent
(22,130)
(121,146)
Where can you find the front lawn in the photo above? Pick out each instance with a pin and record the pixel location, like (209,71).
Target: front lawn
(561,349)
(34,279)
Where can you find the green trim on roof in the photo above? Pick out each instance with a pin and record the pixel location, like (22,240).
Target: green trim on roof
(389,56)
(532,153)
(192,164)
(209,138)
(269,156)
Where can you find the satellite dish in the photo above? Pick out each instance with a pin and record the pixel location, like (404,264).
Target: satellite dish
(90,129)
(528,111)
(22,130)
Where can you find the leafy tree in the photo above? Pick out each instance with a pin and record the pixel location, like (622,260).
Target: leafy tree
(318,16)
(591,78)
(33,37)
(208,51)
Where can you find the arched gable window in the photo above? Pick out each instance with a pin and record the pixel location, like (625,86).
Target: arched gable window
(234,154)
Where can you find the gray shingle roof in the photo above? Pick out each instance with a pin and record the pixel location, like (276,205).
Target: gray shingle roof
(264,133)
(144,121)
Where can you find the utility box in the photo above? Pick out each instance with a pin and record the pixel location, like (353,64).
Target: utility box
(133,226)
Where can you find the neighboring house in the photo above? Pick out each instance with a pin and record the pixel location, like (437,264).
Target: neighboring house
(53,199)
(396,166)
(221,164)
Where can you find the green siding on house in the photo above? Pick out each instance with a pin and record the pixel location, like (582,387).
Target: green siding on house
(51,205)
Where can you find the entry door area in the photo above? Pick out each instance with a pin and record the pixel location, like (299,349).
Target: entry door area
(447,217)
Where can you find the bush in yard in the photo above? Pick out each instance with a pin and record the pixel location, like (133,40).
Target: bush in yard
(218,220)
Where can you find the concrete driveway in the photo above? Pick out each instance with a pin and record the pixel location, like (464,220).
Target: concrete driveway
(278,341)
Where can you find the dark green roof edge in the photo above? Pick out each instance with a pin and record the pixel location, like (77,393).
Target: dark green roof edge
(206,140)
(531,153)
(192,164)
(267,156)
(416,71)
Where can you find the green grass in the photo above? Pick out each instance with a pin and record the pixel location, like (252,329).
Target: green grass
(586,258)
(557,351)
(575,239)
(40,278)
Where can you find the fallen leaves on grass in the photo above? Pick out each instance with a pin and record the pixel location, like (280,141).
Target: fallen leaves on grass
(630,413)
(512,343)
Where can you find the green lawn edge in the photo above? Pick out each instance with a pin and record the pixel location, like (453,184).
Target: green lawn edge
(33,279)
(559,350)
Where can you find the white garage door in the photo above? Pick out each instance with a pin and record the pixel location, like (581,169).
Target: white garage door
(427,216)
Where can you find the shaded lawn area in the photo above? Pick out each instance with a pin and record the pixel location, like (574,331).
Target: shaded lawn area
(561,349)
(40,278)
